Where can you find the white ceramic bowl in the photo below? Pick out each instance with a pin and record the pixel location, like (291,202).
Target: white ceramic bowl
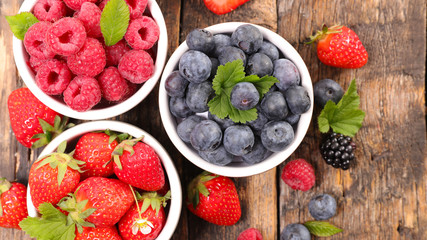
(74,133)
(22,58)
(237,169)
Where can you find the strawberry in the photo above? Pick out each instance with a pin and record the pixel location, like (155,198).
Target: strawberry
(138,165)
(13,203)
(223,6)
(339,46)
(53,176)
(145,219)
(90,233)
(33,123)
(214,198)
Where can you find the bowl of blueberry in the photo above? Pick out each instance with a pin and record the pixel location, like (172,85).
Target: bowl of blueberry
(236,99)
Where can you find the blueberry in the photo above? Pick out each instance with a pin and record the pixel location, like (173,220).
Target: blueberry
(218,156)
(325,90)
(257,154)
(274,106)
(229,54)
(195,66)
(198,95)
(215,65)
(206,136)
(277,135)
(270,50)
(287,73)
(175,84)
(200,40)
(238,140)
(258,123)
(273,88)
(244,96)
(322,207)
(185,127)
(179,108)
(223,123)
(248,38)
(297,99)
(295,231)
(259,64)
(221,40)
(292,118)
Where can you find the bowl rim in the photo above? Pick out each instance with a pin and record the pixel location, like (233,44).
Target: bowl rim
(21,58)
(237,171)
(171,172)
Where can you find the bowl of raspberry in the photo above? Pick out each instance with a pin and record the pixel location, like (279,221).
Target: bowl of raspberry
(236,99)
(115,180)
(91,59)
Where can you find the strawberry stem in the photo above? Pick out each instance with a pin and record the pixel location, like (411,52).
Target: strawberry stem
(136,201)
(320,34)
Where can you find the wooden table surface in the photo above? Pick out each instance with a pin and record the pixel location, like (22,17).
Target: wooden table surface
(383,197)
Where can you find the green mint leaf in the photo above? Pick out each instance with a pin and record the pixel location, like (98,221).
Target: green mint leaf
(243,116)
(20,23)
(322,229)
(228,75)
(345,117)
(262,84)
(114,21)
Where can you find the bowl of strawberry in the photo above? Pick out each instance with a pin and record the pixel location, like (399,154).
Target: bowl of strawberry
(89,59)
(236,99)
(97,180)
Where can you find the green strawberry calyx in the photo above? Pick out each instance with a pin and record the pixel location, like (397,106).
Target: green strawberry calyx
(4,187)
(49,131)
(320,34)
(77,211)
(197,185)
(61,160)
(125,145)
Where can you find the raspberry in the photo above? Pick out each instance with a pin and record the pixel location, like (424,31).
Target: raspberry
(299,175)
(142,33)
(82,93)
(337,150)
(49,10)
(136,7)
(35,41)
(113,86)
(77,4)
(35,63)
(90,15)
(250,234)
(115,53)
(53,77)
(66,36)
(137,66)
(90,60)
(132,88)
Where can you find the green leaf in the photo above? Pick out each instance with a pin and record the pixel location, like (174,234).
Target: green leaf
(322,229)
(114,21)
(345,117)
(227,75)
(62,146)
(20,23)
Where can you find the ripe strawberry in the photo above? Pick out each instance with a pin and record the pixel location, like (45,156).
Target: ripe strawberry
(223,6)
(145,219)
(215,199)
(13,203)
(95,150)
(90,233)
(33,123)
(53,176)
(339,46)
(299,175)
(138,165)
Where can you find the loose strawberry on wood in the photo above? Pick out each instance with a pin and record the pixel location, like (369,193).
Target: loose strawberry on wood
(220,7)
(13,203)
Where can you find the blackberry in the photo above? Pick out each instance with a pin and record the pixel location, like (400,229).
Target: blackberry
(337,150)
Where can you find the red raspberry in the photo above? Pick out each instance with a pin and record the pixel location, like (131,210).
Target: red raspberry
(35,63)
(49,10)
(250,234)
(82,93)
(53,77)
(113,86)
(77,4)
(142,33)
(136,7)
(132,88)
(35,41)
(90,60)
(115,53)
(66,36)
(299,175)
(137,66)
(90,15)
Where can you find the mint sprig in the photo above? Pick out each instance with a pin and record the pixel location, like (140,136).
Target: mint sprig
(227,77)
(20,23)
(322,229)
(345,117)
(114,21)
